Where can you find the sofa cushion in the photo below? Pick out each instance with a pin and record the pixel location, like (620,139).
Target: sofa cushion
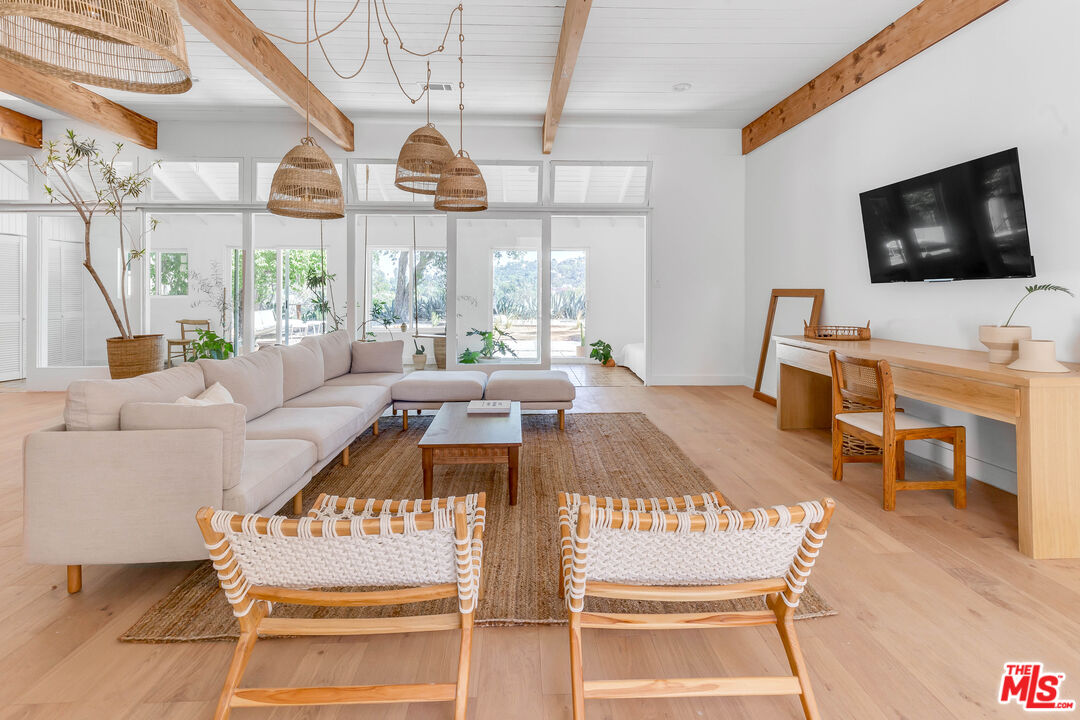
(530,386)
(95,404)
(384,379)
(328,427)
(226,417)
(440,386)
(255,380)
(270,468)
(216,394)
(336,350)
(302,367)
(377,357)
(365,397)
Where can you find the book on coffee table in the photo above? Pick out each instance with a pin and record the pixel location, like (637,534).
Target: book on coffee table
(489,407)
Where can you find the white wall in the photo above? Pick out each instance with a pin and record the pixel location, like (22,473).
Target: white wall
(695,269)
(1007,80)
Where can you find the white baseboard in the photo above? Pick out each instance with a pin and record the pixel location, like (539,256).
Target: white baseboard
(697,380)
(988,473)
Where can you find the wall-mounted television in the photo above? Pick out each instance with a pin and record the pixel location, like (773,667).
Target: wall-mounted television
(966,222)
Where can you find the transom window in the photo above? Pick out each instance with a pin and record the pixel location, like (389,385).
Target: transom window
(575,183)
(196,182)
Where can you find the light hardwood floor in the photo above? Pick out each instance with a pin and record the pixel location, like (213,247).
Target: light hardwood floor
(932,601)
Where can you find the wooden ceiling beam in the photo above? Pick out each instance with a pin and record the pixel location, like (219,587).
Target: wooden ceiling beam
(926,24)
(77,102)
(575,16)
(19,128)
(229,28)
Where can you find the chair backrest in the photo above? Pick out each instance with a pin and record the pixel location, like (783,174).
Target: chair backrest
(861,384)
(346,543)
(187,326)
(697,542)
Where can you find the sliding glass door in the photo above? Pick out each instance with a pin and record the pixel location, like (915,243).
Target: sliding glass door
(498,268)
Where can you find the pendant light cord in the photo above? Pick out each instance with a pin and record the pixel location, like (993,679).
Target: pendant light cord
(461,78)
(307,67)
(427,87)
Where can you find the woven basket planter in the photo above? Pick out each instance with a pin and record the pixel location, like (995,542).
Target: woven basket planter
(135,45)
(140,355)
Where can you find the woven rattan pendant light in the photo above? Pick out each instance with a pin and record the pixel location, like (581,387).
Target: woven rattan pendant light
(422,157)
(135,45)
(306,183)
(461,186)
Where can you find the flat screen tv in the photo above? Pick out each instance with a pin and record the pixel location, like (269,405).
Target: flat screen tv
(965,222)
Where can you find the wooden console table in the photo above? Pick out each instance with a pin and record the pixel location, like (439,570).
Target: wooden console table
(1044,407)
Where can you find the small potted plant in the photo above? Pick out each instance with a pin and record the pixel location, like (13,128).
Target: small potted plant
(419,358)
(582,349)
(1003,341)
(602,351)
(469,357)
(210,345)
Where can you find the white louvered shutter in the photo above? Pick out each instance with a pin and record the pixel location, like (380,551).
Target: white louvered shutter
(11,307)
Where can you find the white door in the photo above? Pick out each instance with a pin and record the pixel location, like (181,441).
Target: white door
(65,293)
(12,311)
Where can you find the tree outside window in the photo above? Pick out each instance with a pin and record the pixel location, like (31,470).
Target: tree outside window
(168,273)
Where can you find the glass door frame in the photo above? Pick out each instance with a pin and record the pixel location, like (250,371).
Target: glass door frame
(543,322)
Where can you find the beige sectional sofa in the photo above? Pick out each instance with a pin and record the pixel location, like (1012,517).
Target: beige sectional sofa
(121,479)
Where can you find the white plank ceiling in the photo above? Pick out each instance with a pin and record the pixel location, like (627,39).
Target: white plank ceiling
(739,56)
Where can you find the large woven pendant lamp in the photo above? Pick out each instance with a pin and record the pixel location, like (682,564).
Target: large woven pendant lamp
(423,156)
(461,186)
(306,183)
(135,45)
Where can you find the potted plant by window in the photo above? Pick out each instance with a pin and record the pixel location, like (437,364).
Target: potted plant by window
(1003,341)
(602,351)
(210,345)
(129,354)
(419,358)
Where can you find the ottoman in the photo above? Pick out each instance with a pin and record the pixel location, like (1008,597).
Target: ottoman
(534,389)
(429,389)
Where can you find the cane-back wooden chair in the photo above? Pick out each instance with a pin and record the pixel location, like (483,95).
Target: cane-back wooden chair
(690,549)
(865,416)
(178,348)
(424,549)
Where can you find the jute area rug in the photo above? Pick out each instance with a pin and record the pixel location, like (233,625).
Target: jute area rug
(618,454)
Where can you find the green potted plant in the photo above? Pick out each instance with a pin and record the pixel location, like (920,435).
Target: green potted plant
(1003,341)
(129,354)
(582,349)
(210,345)
(469,357)
(419,358)
(601,351)
(493,342)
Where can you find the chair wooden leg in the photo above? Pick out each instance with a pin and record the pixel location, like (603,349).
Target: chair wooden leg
(298,503)
(837,454)
(404,420)
(345,456)
(577,680)
(901,465)
(74,578)
(375,427)
(960,469)
(236,670)
(562,419)
(888,485)
(461,693)
(786,626)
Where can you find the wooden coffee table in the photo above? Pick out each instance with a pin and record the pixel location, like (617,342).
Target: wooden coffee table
(457,438)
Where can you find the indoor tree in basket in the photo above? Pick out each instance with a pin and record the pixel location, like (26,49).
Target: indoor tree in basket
(108,190)
(1003,341)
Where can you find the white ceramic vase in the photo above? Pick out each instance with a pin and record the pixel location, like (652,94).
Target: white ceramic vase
(1003,341)
(419,361)
(1038,356)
